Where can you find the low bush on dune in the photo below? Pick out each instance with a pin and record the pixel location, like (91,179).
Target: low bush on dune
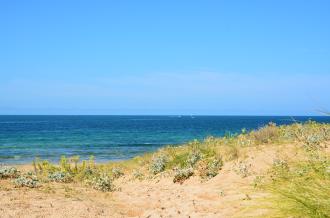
(27,180)
(209,168)
(193,158)
(182,174)
(8,172)
(60,176)
(158,164)
(20,180)
(103,183)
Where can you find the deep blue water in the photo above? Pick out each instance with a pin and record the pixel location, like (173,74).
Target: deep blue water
(22,138)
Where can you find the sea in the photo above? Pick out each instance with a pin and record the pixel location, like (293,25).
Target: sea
(113,138)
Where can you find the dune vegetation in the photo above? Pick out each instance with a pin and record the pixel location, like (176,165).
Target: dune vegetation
(298,186)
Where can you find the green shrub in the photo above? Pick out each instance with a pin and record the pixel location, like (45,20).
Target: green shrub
(213,167)
(310,133)
(178,159)
(60,176)
(313,141)
(193,158)
(8,172)
(158,164)
(210,168)
(182,174)
(26,180)
(103,183)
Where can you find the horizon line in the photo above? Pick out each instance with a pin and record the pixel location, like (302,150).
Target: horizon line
(176,115)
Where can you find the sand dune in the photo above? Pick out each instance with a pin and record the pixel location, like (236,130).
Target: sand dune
(226,195)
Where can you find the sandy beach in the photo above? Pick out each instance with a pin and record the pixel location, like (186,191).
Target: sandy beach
(226,195)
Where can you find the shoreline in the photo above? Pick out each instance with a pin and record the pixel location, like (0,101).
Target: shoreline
(114,138)
(217,177)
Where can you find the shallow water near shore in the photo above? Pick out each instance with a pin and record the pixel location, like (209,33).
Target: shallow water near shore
(22,138)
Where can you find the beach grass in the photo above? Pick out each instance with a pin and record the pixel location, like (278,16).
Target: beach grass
(299,189)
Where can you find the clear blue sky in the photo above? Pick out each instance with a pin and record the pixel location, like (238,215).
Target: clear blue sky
(165,57)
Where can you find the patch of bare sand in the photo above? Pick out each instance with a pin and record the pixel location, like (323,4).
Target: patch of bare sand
(226,195)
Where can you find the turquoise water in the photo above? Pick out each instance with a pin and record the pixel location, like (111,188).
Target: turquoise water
(22,138)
